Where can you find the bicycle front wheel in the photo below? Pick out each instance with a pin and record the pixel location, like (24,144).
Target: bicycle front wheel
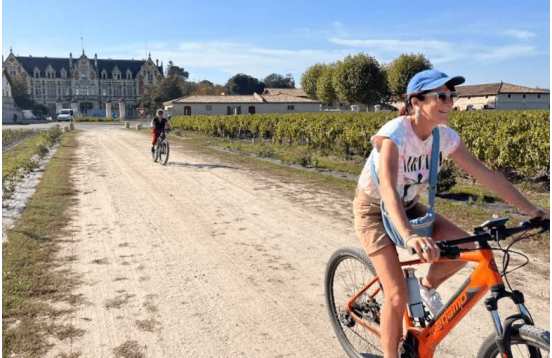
(347,272)
(164,152)
(527,341)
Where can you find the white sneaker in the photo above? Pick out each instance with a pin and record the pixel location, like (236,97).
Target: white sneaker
(431,299)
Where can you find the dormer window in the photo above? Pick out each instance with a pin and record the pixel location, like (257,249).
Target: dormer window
(128,75)
(104,74)
(36,73)
(116,74)
(63,73)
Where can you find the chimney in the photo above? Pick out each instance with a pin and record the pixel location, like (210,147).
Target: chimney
(96,60)
(70,59)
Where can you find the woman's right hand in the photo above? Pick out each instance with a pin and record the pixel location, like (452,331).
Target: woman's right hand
(424,246)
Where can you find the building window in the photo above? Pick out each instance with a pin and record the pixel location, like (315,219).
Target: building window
(129,75)
(36,73)
(291,107)
(509,96)
(104,74)
(208,107)
(524,95)
(538,96)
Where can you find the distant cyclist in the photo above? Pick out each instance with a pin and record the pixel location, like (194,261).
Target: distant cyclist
(159,124)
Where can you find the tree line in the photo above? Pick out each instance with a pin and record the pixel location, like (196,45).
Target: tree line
(362,79)
(176,84)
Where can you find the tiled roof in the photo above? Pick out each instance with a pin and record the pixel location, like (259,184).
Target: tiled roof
(217,99)
(29,63)
(295,92)
(242,99)
(283,98)
(494,89)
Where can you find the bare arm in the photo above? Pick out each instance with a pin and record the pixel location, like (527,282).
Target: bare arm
(493,181)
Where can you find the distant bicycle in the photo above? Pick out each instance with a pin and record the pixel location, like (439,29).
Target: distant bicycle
(162,149)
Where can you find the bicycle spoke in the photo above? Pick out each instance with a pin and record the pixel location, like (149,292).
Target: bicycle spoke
(350,276)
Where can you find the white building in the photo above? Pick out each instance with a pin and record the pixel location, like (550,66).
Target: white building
(271,101)
(502,96)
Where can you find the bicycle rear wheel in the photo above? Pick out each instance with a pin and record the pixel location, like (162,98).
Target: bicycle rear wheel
(527,341)
(347,272)
(164,152)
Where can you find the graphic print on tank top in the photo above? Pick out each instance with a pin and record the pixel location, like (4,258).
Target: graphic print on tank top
(416,175)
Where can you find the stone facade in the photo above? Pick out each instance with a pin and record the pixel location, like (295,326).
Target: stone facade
(85,85)
(501,96)
(10,112)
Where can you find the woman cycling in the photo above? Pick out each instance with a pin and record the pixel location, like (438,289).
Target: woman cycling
(396,172)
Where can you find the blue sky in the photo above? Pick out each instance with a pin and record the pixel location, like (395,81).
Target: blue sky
(486,41)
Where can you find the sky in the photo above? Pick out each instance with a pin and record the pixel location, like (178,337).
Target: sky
(485,41)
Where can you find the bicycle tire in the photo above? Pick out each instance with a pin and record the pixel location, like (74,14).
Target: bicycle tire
(154,154)
(164,152)
(535,340)
(360,342)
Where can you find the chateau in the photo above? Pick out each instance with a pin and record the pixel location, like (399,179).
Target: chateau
(89,86)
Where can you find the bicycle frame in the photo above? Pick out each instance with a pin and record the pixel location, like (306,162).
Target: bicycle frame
(482,279)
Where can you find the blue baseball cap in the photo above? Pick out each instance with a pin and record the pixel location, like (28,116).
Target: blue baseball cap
(428,80)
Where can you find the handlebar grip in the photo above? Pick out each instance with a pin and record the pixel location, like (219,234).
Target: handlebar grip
(536,223)
(448,251)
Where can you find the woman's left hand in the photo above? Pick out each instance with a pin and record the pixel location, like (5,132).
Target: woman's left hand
(538,213)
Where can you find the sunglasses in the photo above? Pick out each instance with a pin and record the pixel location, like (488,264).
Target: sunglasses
(443,96)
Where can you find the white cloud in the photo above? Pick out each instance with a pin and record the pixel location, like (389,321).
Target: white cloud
(233,57)
(437,51)
(394,45)
(519,34)
(506,53)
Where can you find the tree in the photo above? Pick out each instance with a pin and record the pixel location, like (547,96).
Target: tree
(169,88)
(401,70)
(19,92)
(173,70)
(148,99)
(324,86)
(244,84)
(309,79)
(360,79)
(275,80)
(208,88)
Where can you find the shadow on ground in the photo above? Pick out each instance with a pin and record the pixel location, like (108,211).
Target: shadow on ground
(199,165)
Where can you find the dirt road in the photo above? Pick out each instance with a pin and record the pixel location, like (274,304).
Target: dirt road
(207,259)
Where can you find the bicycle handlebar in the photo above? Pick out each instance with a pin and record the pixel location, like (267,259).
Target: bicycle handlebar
(450,249)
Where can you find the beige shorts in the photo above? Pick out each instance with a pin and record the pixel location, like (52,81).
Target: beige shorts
(369,225)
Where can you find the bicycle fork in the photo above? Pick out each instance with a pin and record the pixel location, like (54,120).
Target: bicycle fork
(504,331)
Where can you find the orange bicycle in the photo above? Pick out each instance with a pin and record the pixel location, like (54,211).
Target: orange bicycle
(354,298)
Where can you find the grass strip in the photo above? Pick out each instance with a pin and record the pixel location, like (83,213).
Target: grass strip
(25,157)
(31,274)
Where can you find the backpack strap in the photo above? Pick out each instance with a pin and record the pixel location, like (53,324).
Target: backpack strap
(433,169)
